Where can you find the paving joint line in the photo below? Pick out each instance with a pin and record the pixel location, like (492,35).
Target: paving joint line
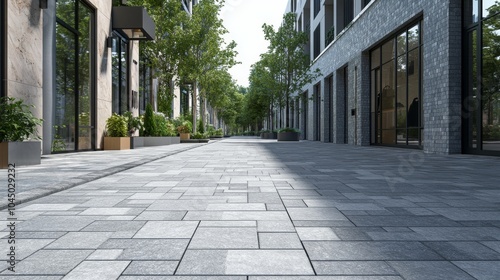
(87,178)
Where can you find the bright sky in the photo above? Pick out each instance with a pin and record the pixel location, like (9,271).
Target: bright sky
(244,19)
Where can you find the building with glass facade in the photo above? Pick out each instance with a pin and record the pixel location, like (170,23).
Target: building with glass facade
(402,73)
(77,61)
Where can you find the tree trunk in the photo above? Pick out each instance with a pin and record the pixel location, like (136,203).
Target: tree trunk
(194,105)
(287,112)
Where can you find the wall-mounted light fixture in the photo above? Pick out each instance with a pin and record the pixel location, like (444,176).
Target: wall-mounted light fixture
(109,42)
(44,4)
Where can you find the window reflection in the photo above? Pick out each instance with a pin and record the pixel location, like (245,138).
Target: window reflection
(396,94)
(490,84)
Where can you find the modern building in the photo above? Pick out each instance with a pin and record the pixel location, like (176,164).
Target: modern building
(402,73)
(77,61)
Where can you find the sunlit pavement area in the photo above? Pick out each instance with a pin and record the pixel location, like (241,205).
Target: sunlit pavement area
(245,208)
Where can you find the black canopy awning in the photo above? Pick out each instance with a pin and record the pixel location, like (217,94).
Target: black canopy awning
(133,22)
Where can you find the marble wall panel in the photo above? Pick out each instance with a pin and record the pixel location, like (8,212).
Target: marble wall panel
(24,43)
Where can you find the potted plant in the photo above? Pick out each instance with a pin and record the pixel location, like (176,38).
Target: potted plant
(18,129)
(288,134)
(116,133)
(134,124)
(268,134)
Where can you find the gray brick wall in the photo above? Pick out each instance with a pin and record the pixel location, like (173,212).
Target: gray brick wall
(441,70)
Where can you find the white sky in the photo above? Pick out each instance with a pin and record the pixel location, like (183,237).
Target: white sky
(244,19)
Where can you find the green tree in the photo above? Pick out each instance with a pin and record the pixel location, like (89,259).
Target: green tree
(204,49)
(165,52)
(287,62)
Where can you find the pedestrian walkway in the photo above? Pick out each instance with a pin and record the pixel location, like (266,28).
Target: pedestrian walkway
(245,208)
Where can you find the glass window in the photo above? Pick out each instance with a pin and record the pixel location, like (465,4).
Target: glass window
(490,8)
(120,75)
(490,85)
(388,51)
(471,11)
(396,91)
(401,44)
(375,58)
(413,37)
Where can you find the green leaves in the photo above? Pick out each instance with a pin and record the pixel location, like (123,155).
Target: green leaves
(17,122)
(116,126)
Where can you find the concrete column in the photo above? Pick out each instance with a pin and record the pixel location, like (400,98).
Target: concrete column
(49,73)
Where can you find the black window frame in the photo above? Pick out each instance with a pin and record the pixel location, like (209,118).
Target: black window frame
(374,121)
(317,7)
(471,26)
(92,67)
(119,40)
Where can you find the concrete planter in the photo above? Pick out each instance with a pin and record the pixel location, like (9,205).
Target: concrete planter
(20,153)
(161,141)
(152,141)
(136,142)
(268,135)
(288,136)
(116,143)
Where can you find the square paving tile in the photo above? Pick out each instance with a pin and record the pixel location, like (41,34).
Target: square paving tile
(80,240)
(51,262)
(275,226)
(368,250)
(55,223)
(224,238)
(105,254)
(484,270)
(371,268)
(245,262)
(148,249)
(167,229)
(47,207)
(316,214)
(429,270)
(97,270)
(279,240)
(151,268)
(316,233)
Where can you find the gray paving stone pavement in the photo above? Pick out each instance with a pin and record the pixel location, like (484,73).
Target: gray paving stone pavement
(249,209)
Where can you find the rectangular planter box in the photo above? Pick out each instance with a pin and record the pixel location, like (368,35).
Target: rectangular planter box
(20,153)
(116,143)
(268,135)
(288,136)
(185,136)
(160,141)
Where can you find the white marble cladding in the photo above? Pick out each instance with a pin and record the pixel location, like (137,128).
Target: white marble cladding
(104,68)
(134,76)
(24,53)
(24,46)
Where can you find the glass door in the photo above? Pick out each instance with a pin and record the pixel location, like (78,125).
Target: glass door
(74,96)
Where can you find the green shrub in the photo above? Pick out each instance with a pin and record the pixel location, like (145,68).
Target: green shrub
(133,123)
(199,126)
(289,129)
(149,121)
(219,132)
(198,135)
(17,122)
(116,126)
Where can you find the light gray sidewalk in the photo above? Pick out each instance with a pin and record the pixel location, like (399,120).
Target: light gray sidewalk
(244,208)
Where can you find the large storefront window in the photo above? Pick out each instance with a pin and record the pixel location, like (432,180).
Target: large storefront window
(396,95)
(73,101)
(482,89)
(119,58)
